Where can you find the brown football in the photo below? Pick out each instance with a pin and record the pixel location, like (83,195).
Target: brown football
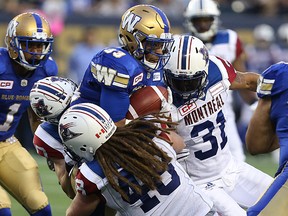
(146,100)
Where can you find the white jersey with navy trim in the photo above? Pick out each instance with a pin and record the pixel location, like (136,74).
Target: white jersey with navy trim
(177,195)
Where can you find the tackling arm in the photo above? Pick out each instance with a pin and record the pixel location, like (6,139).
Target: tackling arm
(261,136)
(83,205)
(63,177)
(245,80)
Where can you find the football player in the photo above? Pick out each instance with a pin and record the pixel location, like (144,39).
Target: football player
(116,72)
(131,166)
(200,83)
(49,98)
(267,131)
(24,61)
(202,20)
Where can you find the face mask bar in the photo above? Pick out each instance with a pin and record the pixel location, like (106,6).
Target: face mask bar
(185,85)
(151,45)
(25,44)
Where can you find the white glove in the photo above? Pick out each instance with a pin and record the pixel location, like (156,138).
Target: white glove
(166,104)
(181,156)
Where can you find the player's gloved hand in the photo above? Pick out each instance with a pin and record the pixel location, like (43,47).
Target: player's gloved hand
(181,156)
(50,164)
(166,104)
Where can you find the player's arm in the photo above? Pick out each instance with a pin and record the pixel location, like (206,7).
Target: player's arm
(83,205)
(116,103)
(245,80)
(261,136)
(239,64)
(63,177)
(33,119)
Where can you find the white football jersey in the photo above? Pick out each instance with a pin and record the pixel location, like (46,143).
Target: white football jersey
(229,182)
(176,195)
(203,126)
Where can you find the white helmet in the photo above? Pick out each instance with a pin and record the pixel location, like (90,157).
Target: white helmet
(187,70)
(264,32)
(50,96)
(83,128)
(283,32)
(199,9)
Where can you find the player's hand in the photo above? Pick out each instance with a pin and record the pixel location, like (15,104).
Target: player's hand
(166,104)
(181,156)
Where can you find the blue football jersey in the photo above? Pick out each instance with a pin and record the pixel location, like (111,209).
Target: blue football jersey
(111,77)
(15,90)
(273,83)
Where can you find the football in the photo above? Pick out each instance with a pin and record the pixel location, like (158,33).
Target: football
(146,100)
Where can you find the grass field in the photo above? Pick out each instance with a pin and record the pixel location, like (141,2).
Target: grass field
(59,202)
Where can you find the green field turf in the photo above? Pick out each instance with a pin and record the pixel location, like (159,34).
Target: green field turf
(59,202)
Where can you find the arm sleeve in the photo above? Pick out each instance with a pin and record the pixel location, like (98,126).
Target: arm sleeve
(116,103)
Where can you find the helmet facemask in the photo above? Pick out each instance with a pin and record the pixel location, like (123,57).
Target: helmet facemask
(24,45)
(153,52)
(189,87)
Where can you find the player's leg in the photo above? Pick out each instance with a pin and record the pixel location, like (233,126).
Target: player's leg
(248,184)
(274,201)
(223,203)
(20,177)
(5,203)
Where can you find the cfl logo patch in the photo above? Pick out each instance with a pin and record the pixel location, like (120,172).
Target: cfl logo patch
(6,84)
(186,109)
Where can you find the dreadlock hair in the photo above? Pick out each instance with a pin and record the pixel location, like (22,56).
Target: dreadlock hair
(131,147)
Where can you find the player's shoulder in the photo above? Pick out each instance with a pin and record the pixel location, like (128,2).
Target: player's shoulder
(50,67)
(273,80)
(4,59)
(220,70)
(118,59)
(225,36)
(115,67)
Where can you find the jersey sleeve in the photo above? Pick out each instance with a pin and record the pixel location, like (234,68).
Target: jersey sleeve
(46,143)
(273,81)
(116,103)
(87,181)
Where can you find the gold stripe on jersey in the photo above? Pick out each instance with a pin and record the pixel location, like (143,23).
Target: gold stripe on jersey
(265,85)
(109,76)
(121,80)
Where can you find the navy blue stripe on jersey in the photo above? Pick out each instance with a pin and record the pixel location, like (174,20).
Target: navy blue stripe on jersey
(163,17)
(52,91)
(184,53)
(222,37)
(96,168)
(214,75)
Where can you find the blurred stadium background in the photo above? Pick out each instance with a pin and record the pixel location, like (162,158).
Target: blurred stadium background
(70,19)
